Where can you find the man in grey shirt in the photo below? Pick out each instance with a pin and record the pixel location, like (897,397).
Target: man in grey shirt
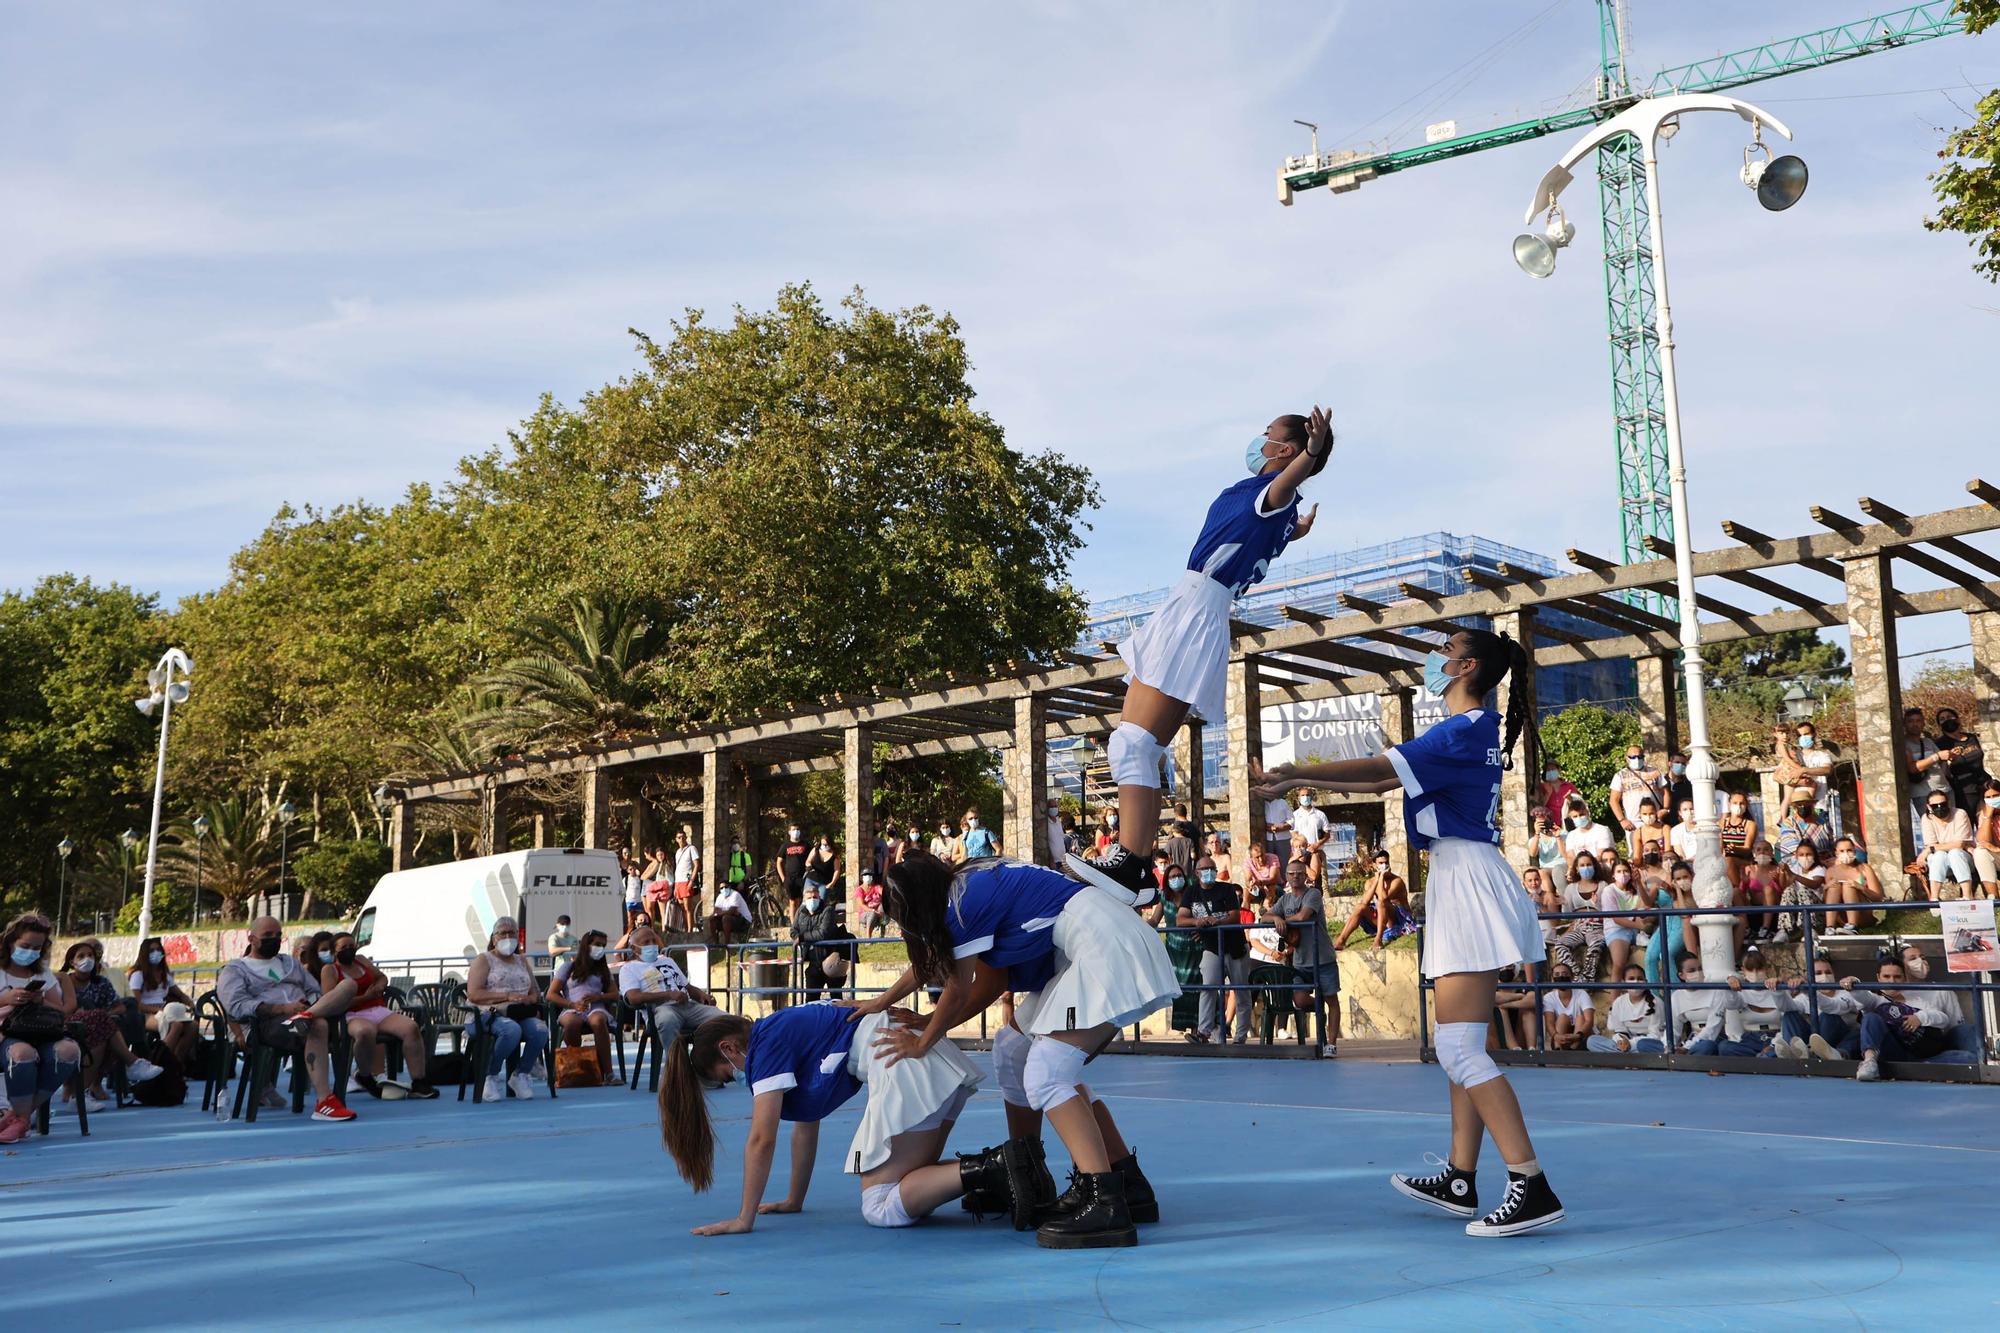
(1302,909)
(267,987)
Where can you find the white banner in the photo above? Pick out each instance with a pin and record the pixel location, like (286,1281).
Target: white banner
(1970,942)
(1344,727)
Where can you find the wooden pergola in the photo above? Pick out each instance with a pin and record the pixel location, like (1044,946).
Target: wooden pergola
(1842,574)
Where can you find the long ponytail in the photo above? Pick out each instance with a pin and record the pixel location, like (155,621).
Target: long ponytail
(1499,656)
(684,1126)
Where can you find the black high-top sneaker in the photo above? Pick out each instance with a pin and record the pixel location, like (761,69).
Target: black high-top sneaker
(1099,1221)
(1140,1201)
(1119,870)
(1450,1189)
(1529,1204)
(1031,1190)
(984,1175)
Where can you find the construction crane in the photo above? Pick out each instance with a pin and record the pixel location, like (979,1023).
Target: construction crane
(1638,417)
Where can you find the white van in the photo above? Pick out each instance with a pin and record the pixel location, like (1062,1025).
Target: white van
(448,911)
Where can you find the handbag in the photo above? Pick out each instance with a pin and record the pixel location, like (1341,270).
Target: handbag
(517,1012)
(577,1068)
(35,1023)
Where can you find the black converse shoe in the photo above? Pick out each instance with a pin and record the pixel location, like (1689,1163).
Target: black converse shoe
(1119,870)
(1450,1189)
(1529,1204)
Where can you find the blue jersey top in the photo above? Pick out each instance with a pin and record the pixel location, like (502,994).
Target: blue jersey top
(1451,779)
(1237,542)
(1006,913)
(978,842)
(802,1051)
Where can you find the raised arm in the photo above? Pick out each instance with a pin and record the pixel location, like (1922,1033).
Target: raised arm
(1319,439)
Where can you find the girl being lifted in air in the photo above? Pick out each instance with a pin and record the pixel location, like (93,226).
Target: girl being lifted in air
(1179,657)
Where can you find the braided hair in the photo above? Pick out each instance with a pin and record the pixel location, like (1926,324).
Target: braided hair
(1496,656)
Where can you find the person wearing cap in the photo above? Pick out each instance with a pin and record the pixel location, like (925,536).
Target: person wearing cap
(501,983)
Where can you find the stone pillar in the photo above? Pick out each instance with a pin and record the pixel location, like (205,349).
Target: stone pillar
(493,815)
(1878,719)
(544,826)
(718,781)
(1985,627)
(1024,825)
(402,835)
(1190,783)
(1659,725)
(597,806)
(859,766)
(1517,784)
(1246,747)
(1399,724)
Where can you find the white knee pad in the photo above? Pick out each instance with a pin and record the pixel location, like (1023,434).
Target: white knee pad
(1461,1049)
(882,1206)
(1135,756)
(1010,1064)
(1054,1070)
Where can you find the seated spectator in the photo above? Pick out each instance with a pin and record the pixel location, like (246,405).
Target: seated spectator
(1585,833)
(1761,882)
(1947,850)
(731,916)
(1264,872)
(313,951)
(1961,1037)
(1697,1013)
(1384,908)
(276,993)
(562,941)
(501,984)
(868,905)
(625,947)
(1834,1034)
(370,1016)
(1805,885)
(1648,832)
(1752,993)
(94,1023)
(1850,880)
(151,983)
(1517,1013)
(1986,842)
(1635,1023)
(1571,1016)
(1904,1027)
(1300,913)
(817,936)
(36,1066)
(581,990)
(654,983)
(1578,945)
(1739,839)
(1546,850)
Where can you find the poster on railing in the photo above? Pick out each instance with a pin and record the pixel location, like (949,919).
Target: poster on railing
(1970,942)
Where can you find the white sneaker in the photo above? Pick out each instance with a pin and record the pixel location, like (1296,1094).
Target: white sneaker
(1780,937)
(1329,1052)
(97,1105)
(141,1071)
(1823,1048)
(1870,1071)
(1790,1048)
(494,1091)
(523,1086)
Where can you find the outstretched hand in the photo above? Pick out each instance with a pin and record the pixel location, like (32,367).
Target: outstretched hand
(1305,523)
(1267,784)
(735,1226)
(1319,431)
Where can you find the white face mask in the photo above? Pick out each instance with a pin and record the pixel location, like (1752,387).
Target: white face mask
(1917,968)
(1633,762)
(596,952)
(86,964)
(506,946)
(156,957)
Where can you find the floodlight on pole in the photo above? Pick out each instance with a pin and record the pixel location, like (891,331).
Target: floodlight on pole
(64,850)
(169,679)
(201,827)
(287,812)
(1778,185)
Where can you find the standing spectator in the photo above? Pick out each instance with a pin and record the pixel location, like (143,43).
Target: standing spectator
(1802,760)
(1986,843)
(1310,823)
(1585,834)
(1739,835)
(1384,908)
(1805,885)
(658,875)
(818,935)
(1947,847)
(1635,1023)
(1647,832)
(1965,760)
(979,840)
(1637,781)
(946,846)
(823,868)
(1928,766)
(1107,830)
(1217,851)
(1225,958)
(1547,850)
(152,987)
(1853,881)
(370,1015)
(1301,913)
(879,860)
(581,992)
(635,885)
(1266,874)
(792,863)
(898,848)
(1179,849)
(686,907)
(35,1067)
(655,983)
(1181,823)
(562,940)
(1571,1016)
(868,905)
(501,983)
(1059,839)
(1800,827)
(1552,794)
(94,1023)
(1676,789)
(273,990)
(736,872)
(1278,828)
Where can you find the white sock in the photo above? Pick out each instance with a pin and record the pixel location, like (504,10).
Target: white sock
(1531,1167)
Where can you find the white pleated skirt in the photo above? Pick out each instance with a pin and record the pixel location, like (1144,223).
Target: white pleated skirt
(904,1096)
(1110,968)
(1183,648)
(1477,917)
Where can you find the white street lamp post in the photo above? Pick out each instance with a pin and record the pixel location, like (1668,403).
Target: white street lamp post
(167,691)
(200,836)
(1778,185)
(64,850)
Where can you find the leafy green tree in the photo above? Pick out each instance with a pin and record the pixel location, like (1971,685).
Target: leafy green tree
(1761,669)
(173,908)
(239,856)
(1588,744)
(585,675)
(337,873)
(1968,185)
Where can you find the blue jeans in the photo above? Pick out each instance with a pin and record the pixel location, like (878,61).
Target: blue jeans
(1831,1028)
(34,1073)
(530,1036)
(1751,1043)
(1703,1046)
(1597,1041)
(1958,1045)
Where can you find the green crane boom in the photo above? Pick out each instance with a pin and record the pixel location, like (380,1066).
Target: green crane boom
(1638,414)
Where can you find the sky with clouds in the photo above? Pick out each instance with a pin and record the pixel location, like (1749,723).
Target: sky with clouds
(256,255)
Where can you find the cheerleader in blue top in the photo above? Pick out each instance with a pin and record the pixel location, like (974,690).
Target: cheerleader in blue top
(1178,659)
(1081,964)
(802,1064)
(1478,918)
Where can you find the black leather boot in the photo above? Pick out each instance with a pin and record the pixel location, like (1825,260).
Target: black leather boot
(1100,1221)
(984,1175)
(1031,1189)
(1139,1198)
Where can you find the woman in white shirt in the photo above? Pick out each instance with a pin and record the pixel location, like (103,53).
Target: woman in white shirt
(1635,1023)
(581,991)
(1570,1013)
(151,984)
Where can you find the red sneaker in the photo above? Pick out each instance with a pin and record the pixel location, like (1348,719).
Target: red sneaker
(332,1108)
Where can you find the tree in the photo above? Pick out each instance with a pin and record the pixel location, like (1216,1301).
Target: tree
(585,675)
(1968,185)
(337,873)
(1588,744)
(239,857)
(1761,669)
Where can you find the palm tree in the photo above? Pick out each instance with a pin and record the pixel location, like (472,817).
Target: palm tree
(579,677)
(239,856)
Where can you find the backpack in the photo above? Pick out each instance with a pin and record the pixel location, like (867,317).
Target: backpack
(167,1088)
(447,1070)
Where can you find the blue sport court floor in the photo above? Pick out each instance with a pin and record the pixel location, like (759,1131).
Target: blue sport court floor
(1694,1202)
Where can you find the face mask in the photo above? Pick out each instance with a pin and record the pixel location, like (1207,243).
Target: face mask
(1560,981)
(596,952)
(1176,883)
(649,953)
(1753,978)
(1586,872)
(1633,762)
(735,1072)
(1684,886)
(1253,457)
(86,964)
(1622,877)
(1948,725)
(1993,803)
(326,955)
(1763,858)
(1381,867)
(268,948)
(344,955)
(1937,811)
(812,904)
(1807,742)
(506,947)
(156,957)
(972,823)
(1917,968)
(1208,877)
(1847,858)
(25,957)
(1435,678)
(1305,802)
(1739,810)
(1678,769)
(1551,773)
(1112,820)
(793,834)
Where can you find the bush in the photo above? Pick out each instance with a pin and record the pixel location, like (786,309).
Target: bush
(339,872)
(170,907)
(1588,744)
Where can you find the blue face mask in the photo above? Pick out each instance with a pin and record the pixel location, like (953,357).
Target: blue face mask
(649,953)
(1435,679)
(1679,769)
(25,957)
(1253,457)
(1807,742)
(1207,876)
